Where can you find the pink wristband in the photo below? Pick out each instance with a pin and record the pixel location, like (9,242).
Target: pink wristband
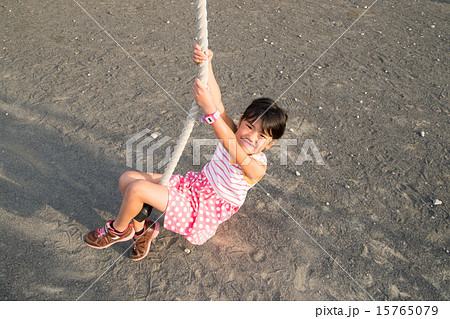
(211,118)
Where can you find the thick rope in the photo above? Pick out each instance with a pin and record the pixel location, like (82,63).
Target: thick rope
(202,36)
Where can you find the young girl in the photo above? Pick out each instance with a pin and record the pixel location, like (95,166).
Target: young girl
(194,205)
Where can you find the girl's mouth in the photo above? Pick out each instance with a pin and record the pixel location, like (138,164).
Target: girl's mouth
(247,143)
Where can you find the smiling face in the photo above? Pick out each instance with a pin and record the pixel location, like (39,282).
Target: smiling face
(251,137)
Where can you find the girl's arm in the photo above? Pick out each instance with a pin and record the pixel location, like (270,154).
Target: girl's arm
(253,169)
(213,87)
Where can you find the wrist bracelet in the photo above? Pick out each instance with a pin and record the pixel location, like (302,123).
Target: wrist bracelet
(211,118)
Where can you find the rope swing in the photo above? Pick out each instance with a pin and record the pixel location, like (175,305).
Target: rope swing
(202,36)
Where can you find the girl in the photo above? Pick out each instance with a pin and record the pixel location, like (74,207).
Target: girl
(194,205)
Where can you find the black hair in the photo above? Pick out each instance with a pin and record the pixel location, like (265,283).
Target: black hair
(273,117)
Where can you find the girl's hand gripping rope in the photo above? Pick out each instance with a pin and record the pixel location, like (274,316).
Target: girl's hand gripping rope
(203,97)
(200,56)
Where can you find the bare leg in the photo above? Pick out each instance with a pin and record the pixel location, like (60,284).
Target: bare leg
(138,225)
(136,194)
(130,177)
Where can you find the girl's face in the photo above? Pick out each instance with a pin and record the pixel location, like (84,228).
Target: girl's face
(251,138)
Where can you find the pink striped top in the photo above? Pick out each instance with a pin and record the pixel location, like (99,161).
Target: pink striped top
(228,180)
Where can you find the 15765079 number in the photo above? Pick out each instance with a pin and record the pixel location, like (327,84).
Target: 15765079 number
(407,310)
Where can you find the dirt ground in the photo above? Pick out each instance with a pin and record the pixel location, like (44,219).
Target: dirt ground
(368,87)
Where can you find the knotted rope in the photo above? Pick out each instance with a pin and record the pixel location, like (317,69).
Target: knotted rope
(202,36)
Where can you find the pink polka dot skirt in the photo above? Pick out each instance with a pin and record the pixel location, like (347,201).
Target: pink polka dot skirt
(194,209)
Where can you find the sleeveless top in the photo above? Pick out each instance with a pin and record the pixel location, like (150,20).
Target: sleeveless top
(227,179)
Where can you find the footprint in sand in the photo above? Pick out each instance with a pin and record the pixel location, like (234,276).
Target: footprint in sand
(301,280)
(258,256)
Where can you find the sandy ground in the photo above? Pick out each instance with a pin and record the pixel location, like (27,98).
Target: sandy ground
(366,225)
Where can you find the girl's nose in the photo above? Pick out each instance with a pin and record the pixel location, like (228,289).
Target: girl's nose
(253,136)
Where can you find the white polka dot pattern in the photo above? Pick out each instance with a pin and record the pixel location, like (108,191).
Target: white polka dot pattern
(194,209)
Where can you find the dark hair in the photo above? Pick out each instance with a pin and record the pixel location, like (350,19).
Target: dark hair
(273,117)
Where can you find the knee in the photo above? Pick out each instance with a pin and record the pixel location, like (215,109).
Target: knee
(125,179)
(134,189)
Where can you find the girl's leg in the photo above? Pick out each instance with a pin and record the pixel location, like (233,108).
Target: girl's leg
(136,194)
(128,178)
(131,176)
(137,189)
